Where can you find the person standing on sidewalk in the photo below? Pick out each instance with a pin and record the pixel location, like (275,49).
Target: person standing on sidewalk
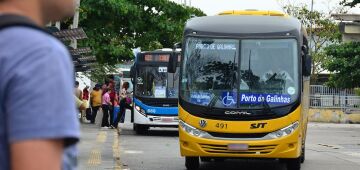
(78,92)
(38,122)
(113,97)
(95,102)
(86,93)
(106,104)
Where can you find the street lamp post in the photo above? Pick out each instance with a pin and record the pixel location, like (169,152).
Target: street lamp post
(76,22)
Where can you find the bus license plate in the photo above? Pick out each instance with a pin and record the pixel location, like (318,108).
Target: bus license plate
(238,147)
(167,119)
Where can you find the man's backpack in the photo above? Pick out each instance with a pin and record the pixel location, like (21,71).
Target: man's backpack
(11,20)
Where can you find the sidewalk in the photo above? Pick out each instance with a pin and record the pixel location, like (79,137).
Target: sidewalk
(98,148)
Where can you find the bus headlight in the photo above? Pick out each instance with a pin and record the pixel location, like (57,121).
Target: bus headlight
(284,132)
(192,130)
(140,110)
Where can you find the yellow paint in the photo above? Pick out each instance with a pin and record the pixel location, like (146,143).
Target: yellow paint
(333,116)
(95,158)
(285,147)
(253,12)
(116,151)
(101,137)
(240,126)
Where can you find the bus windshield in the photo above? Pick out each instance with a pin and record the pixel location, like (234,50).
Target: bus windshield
(156,82)
(240,74)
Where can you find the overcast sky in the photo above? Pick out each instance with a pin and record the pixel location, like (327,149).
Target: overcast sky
(212,7)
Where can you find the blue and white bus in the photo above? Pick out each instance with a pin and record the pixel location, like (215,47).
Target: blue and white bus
(155,91)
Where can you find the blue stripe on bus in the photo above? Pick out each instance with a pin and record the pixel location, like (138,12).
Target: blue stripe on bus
(156,110)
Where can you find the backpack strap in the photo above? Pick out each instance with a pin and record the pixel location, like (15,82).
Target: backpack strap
(11,20)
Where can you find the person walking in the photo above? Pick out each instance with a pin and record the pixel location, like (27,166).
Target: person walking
(125,101)
(39,128)
(95,102)
(106,104)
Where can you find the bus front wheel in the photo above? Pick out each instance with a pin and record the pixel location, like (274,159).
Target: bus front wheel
(302,157)
(140,129)
(293,164)
(205,159)
(192,163)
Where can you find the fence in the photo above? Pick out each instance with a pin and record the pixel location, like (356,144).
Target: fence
(325,97)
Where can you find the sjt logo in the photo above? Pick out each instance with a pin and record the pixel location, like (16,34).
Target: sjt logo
(258,125)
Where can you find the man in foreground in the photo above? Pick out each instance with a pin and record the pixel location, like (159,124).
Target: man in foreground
(38,124)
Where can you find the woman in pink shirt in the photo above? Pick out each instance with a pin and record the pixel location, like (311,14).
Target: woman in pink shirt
(106,104)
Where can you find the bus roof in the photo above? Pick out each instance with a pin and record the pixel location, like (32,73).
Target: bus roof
(253,12)
(160,51)
(243,25)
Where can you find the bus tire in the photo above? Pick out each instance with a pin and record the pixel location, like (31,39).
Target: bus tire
(192,163)
(219,159)
(302,157)
(293,164)
(140,129)
(205,159)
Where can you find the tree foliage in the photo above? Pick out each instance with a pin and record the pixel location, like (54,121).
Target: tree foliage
(322,31)
(344,61)
(115,27)
(351,3)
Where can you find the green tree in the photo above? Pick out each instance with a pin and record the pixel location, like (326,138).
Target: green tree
(115,27)
(344,61)
(351,3)
(322,31)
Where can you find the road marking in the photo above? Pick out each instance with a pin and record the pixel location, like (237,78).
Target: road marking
(133,152)
(356,154)
(116,151)
(101,137)
(95,154)
(331,146)
(95,157)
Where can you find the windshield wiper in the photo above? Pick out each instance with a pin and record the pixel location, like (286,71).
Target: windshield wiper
(272,77)
(212,101)
(266,106)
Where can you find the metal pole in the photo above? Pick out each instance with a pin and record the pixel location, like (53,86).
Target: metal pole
(58,25)
(76,23)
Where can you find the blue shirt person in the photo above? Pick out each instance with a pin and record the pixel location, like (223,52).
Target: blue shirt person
(36,91)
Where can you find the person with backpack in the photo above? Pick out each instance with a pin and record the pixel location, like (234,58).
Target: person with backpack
(39,128)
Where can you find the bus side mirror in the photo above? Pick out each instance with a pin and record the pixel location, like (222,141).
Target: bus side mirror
(173,60)
(307,65)
(172,63)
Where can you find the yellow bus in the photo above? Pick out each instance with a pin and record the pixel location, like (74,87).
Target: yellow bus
(244,86)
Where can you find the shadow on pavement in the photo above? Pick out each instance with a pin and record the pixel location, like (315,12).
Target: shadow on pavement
(161,132)
(243,165)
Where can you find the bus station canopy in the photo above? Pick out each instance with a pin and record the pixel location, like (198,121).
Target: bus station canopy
(79,51)
(71,34)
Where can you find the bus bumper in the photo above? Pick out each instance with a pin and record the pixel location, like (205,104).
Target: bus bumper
(155,121)
(285,147)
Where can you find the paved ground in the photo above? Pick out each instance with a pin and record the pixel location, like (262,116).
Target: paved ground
(99,148)
(329,147)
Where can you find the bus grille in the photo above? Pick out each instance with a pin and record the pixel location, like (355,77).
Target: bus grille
(253,149)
